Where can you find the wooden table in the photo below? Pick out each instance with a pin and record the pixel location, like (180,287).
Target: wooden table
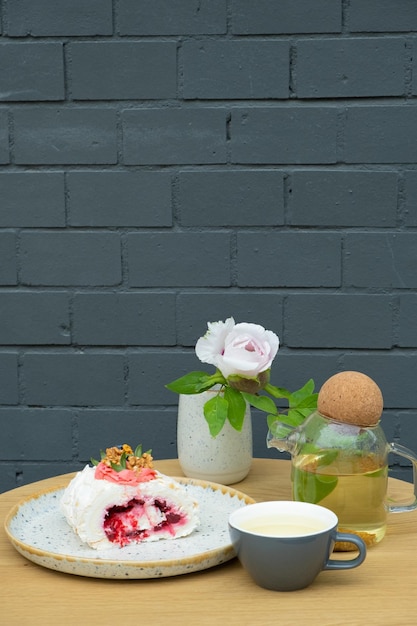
(382,591)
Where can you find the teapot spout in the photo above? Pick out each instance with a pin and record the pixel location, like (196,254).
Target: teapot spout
(282,437)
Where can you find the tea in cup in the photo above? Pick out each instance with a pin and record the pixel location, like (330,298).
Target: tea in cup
(284,545)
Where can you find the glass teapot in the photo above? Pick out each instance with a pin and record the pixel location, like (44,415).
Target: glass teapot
(343,466)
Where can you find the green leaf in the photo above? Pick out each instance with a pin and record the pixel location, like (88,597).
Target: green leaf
(263,403)
(314,486)
(102,456)
(309,487)
(303,393)
(322,456)
(236,407)
(383,471)
(121,465)
(309,403)
(271,420)
(295,417)
(215,413)
(278,429)
(277,392)
(194,382)
(138,451)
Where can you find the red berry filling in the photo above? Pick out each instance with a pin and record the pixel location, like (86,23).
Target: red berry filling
(122,523)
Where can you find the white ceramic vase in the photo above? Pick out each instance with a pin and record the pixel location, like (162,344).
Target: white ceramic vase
(224,459)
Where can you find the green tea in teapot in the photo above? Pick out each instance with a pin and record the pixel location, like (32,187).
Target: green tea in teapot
(340,456)
(355,490)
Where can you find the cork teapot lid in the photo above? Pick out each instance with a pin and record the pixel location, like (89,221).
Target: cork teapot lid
(351,397)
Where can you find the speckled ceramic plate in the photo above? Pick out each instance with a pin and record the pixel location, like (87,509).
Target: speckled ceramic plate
(39,531)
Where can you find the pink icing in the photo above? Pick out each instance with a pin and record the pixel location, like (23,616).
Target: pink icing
(124,477)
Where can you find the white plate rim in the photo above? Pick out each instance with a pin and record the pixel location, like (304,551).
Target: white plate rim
(119,568)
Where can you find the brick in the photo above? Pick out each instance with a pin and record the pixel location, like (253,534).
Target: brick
(381,134)
(338,321)
(259,432)
(285,17)
(70,258)
(292,369)
(7,477)
(120,70)
(124,319)
(4,137)
(195,309)
(174,136)
(60,136)
(394,373)
(411,198)
(402,473)
(235,69)
(31,71)
(381,260)
(32,199)
(34,318)
(73,379)
(284,135)
(8,261)
(172,17)
(414,68)
(9,392)
(30,472)
(346,68)
(231,197)
(393,423)
(58,17)
(407,329)
(21,427)
(390,424)
(150,371)
(289,259)
(179,259)
(408,433)
(119,198)
(155,429)
(342,198)
(382,15)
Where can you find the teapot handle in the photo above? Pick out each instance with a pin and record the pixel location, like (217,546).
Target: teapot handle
(408,454)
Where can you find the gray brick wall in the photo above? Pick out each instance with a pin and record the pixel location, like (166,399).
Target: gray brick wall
(164,163)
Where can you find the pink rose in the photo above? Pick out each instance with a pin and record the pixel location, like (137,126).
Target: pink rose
(238,349)
(124,477)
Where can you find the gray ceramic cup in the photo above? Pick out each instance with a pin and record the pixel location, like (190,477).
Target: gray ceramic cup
(284,545)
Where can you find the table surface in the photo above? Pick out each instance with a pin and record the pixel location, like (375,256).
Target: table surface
(381,591)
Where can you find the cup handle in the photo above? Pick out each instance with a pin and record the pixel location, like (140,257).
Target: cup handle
(396,448)
(358,542)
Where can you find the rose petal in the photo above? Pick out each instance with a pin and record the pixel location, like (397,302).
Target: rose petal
(211,345)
